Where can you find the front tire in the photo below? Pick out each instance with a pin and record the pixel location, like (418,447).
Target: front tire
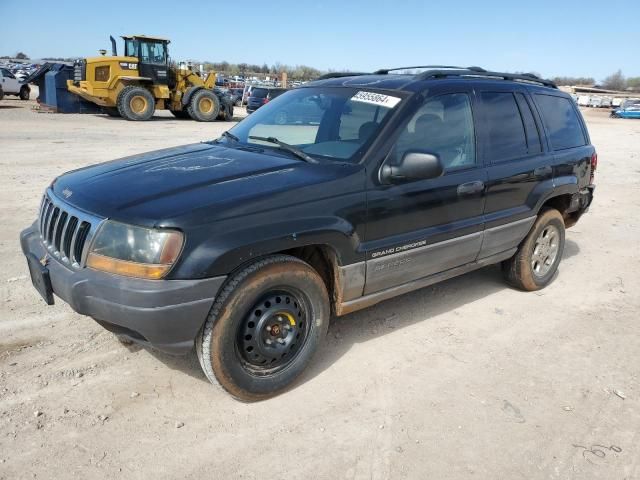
(136,103)
(204,106)
(537,258)
(264,328)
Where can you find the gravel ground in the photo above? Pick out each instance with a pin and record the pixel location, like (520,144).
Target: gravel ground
(465,379)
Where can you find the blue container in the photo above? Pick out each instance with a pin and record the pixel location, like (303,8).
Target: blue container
(52,82)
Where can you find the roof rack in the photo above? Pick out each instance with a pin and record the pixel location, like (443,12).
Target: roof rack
(340,75)
(384,71)
(477,72)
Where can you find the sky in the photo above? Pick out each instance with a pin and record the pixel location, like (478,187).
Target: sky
(552,38)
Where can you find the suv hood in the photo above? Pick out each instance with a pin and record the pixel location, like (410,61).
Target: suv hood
(149,188)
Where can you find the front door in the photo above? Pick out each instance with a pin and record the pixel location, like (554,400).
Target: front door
(153,62)
(10,84)
(416,229)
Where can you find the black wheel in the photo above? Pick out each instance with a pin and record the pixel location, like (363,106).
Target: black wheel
(537,259)
(1,93)
(183,114)
(25,92)
(264,328)
(111,111)
(136,103)
(204,106)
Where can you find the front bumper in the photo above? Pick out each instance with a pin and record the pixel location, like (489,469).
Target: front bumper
(166,314)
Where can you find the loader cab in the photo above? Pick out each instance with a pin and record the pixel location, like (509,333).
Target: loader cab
(153,57)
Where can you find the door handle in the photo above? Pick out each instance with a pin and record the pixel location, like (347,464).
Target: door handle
(471,188)
(543,171)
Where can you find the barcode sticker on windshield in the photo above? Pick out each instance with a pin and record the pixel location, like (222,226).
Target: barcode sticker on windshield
(376,99)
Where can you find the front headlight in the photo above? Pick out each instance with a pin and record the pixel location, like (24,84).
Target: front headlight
(134,251)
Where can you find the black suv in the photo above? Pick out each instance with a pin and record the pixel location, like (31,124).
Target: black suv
(261,96)
(244,246)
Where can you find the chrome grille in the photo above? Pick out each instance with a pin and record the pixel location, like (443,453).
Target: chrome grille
(65,231)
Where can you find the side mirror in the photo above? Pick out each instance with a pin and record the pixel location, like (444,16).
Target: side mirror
(413,166)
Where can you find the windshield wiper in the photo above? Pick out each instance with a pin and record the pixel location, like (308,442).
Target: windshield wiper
(289,148)
(231,136)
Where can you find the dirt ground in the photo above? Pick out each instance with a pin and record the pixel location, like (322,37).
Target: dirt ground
(465,379)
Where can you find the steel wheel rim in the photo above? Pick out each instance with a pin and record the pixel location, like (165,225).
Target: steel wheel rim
(545,251)
(206,105)
(138,104)
(274,331)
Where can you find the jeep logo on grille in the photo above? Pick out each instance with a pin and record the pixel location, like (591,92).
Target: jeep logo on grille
(67,193)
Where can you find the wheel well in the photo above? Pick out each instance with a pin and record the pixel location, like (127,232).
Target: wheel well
(323,260)
(562,203)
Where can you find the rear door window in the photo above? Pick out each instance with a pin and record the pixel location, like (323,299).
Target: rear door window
(561,121)
(506,138)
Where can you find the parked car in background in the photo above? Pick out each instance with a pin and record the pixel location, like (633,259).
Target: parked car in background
(262,95)
(584,100)
(12,86)
(628,109)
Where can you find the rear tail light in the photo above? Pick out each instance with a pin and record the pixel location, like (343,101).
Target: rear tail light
(594,165)
(265,100)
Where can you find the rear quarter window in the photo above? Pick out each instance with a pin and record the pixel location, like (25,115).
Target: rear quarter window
(561,121)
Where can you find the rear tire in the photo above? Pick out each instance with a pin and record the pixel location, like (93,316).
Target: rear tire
(204,106)
(264,328)
(536,261)
(136,103)
(25,93)
(1,93)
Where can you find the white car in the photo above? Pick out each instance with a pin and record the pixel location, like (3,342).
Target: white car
(12,86)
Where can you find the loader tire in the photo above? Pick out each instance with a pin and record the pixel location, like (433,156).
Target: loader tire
(204,106)
(136,103)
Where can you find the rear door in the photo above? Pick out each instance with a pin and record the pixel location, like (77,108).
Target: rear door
(569,140)
(420,228)
(518,164)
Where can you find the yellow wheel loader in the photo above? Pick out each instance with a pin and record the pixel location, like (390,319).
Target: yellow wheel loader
(142,81)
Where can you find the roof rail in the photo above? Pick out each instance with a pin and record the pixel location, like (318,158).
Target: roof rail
(340,75)
(384,71)
(481,73)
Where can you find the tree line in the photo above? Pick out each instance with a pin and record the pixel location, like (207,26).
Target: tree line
(615,81)
(297,72)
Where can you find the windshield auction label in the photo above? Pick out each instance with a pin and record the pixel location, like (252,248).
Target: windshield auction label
(376,99)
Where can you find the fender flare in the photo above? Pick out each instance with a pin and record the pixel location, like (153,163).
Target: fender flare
(186,98)
(566,185)
(228,252)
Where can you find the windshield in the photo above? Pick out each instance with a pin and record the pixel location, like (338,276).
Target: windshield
(336,123)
